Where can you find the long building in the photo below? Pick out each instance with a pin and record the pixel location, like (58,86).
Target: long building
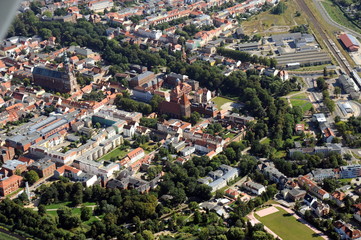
(303,58)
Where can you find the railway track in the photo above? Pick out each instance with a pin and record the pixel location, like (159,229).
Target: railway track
(329,43)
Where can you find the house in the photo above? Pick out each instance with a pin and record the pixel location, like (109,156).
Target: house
(346,231)
(9,184)
(293,194)
(338,197)
(253,187)
(232,193)
(312,187)
(188,151)
(320,209)
(75,174)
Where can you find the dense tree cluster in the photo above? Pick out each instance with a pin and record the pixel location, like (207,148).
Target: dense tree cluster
(305,163)
(247,57)
(350,131)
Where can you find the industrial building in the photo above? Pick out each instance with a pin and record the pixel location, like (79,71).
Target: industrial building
(350,42)
(303,58)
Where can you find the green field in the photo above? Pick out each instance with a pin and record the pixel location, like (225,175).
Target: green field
(115,153)
(338,16)
(220,101)
(287,226)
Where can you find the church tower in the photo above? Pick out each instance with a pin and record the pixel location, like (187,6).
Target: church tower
(185,106)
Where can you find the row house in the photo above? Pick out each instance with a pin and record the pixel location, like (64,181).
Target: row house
(312,187)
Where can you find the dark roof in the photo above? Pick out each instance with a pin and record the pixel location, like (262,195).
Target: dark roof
(47,72)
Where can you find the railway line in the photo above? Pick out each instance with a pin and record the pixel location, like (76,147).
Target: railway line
(329,43)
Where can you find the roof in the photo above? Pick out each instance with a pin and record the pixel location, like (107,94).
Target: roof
(47,72)
(349,40)
(135,152)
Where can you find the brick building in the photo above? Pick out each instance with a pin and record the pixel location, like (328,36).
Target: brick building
(9,184)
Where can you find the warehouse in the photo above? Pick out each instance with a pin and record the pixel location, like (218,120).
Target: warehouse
(304,58)
(350,42)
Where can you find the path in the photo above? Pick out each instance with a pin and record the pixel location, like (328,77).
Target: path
(330,21)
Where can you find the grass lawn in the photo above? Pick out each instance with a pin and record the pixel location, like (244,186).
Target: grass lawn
(115,153)
(4,236)
(266,20)
(281,154)
(312,68)
(57,205)
(287,226)
(338,16)
(149,147)
(229,135)
(345,180)
(300,96)
(305,105)
(219,101)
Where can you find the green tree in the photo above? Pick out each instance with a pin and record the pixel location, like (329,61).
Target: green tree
(195,117)
(31,177)
(85,213)
(41,209)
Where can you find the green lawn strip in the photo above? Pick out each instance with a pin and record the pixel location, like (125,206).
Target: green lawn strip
(286,226)
(57,205)
(338,16)
(115,153)
(345,180)
(312,68)
(220,101)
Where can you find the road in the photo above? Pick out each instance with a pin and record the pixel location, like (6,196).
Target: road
(330,21)
(319,28)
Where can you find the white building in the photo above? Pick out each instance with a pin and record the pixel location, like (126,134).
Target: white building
(253,187)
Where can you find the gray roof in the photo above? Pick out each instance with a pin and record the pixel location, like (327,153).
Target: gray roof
(47,72)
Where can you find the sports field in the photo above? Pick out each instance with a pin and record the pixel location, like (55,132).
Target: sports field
(287,226)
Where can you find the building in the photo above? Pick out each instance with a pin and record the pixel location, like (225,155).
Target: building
(346,231)
(253,187)
(100,5)
(312,187)
(6,153)
(58,81)
(338,197)
(142,79)
(13,167)
(320,209)
(44,167)
(219,178)
(293,194)
(350,42)
(9,184)
(177,107)
(350,171)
